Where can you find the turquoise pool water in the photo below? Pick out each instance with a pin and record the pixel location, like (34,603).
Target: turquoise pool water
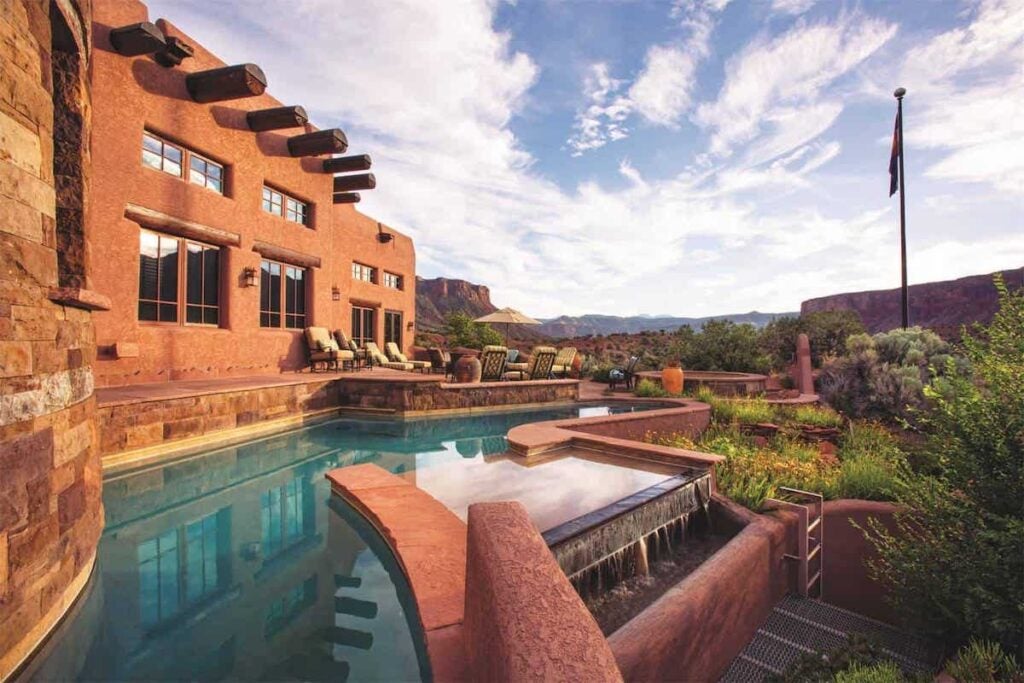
(239,564)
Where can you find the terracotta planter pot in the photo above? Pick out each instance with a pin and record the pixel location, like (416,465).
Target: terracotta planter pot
(672,380)
(467,370)
(577,365)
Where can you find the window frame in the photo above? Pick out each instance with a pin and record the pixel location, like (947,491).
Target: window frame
(389,316)
(185,165)
(289,207)
(181,303)
(282,313)
(397,279)
(360,270)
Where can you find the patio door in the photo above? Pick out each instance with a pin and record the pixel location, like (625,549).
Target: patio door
(393,327)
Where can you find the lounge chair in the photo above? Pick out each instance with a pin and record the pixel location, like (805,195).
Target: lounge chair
(345,343)
(492,363)
(541,361)
(625,375)
(396,356)
(378,358)
(324,351)
(563,362)
(440,360)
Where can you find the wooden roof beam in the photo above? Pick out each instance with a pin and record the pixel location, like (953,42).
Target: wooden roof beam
(276,118)
(347,198)
(226,83)
(330,141)
(356,162)
(133,40)
(359,181)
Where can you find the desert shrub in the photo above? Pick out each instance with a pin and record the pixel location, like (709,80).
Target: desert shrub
(955,562)
(461,330)
(826,331)
(858,652)
(813,415)
(880,672)
(983,661)
(720,345)
(598,371)
(646,388)
(884,375)
(869,477)
(742,412)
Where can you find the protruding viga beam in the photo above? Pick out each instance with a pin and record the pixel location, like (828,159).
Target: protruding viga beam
(350,183)
(226,83)
(276,118)
(347,198)
(356,162)
(133,40)
(330,141)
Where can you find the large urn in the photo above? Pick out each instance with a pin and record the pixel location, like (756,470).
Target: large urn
(467,370)
(672,379)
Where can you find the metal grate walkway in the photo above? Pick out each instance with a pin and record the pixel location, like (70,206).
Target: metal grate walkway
(798,626)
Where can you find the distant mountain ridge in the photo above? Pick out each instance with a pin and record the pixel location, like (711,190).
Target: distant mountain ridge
(437,298)
(942,306)
(566,326)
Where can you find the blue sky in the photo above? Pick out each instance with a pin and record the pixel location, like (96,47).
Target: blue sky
(692,157)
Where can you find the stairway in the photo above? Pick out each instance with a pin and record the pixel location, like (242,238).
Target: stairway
(799,625)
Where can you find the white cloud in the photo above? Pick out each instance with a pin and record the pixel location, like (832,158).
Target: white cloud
(787,74)
(602,120)
(792,7)
(661,94)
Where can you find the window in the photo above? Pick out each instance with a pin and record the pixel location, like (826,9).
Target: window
(289,208)
(363,272)
(287,516)
(206,173)
(183,566)
(163,156)
(161,271)
(280,282)
(362,325)
(392,280)
(285,609)
(393,327)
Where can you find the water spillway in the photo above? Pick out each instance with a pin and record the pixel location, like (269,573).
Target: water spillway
(604,547)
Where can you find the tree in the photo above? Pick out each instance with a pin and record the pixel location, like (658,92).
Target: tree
(462,330)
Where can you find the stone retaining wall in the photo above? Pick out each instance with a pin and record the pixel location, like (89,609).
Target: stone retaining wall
(426,396)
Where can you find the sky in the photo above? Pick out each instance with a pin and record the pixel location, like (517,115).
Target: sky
(691,157)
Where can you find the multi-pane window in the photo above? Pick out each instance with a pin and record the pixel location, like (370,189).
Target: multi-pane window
(363,272)
(282,289)
(362,325)
(392,280)
(289,208)
(162,273)
(286,516)
(206,173)
(285,609)
(182,566)
(161,155)
(164,156)
(393,327)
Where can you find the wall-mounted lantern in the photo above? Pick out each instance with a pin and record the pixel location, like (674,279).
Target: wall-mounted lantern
(383,237)
(409,325)
(250,277)
(335,293)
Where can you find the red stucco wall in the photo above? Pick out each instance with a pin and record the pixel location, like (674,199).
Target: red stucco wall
(135,93)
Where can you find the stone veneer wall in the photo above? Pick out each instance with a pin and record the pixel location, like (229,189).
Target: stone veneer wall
(427,396)
(50,505)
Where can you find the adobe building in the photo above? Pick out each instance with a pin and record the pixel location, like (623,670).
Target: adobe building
(214,228)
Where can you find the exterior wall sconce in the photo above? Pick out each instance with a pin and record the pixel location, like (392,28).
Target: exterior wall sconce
(409,325)
(249,277)
(335,293)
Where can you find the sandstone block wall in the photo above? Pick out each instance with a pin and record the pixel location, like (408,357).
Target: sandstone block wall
(50,505)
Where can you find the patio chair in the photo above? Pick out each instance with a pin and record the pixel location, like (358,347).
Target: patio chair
(563,362)
(440,359)
(359,355)
(324,351)
(492,363)
(541,361)
(378,358)
(625,375)
(396,356)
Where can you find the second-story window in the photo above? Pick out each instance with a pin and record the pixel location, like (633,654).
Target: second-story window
(392,280)
(364,272)
(289,208)
(206,173)
(161,155)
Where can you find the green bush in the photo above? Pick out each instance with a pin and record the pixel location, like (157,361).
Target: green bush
(869,477)
(646,388)
(461,330)
(813,415)
(742,412)
(827,332)
(955,562)
(881,672)
(720,345)
(983,661)
(857,653)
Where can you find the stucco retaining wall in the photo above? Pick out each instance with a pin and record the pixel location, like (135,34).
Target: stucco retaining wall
(845,576)
(694,630)
(524,621)
(690,421)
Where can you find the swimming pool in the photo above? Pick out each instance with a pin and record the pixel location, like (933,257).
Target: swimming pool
(239,564)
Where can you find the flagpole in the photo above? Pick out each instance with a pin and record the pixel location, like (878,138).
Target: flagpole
(905,309)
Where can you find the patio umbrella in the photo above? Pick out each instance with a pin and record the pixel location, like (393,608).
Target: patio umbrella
(509,316)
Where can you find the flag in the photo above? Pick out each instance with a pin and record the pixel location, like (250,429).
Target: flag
(894,169)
